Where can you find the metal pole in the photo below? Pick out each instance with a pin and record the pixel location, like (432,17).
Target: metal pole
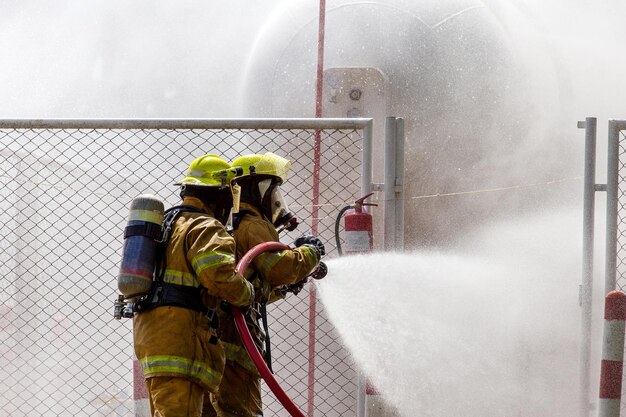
(399,188)
(389,222)
(366,157)
(264,123)
(611,207)
(587,279)
(366,187)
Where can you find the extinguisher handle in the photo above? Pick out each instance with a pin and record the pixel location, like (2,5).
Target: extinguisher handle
(361,201)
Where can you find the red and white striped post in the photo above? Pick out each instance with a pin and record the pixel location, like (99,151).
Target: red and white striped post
(612,354)
(140,391)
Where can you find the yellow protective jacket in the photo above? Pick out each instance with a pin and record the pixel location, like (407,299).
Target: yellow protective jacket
(268,272)
(175,341)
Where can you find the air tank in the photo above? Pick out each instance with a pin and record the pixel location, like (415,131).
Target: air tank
(458,72)
(139,253)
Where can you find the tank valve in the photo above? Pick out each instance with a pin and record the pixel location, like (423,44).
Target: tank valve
(118,307)
(122,308)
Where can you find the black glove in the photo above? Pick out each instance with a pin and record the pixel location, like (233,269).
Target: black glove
(311,241)
(294,288)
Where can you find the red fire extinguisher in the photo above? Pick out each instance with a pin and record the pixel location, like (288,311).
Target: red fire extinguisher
(358,227)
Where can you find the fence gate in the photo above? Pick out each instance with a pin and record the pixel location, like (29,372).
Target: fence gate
(66,188)
(615,256)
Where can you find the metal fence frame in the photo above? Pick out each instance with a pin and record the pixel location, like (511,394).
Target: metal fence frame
(394,168)
(615,250)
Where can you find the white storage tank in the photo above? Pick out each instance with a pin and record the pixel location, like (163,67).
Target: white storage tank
(475,105)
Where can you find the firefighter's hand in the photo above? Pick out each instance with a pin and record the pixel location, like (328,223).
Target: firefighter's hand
(294,288)
(262,290)
(311,241)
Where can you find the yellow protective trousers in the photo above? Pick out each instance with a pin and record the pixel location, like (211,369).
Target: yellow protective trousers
(239,395)
(174,397)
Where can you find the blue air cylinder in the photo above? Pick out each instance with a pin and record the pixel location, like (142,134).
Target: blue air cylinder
(142,231)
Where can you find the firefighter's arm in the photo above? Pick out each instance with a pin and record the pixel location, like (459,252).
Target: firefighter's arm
(211,255)
(277,268)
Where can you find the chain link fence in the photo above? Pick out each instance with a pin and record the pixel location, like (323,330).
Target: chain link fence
(616,217)
(620,247)
(66,188)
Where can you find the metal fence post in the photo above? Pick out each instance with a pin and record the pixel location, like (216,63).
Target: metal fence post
(394,184)
(612,185)
(389,229)
(587,279)
(366,159)
(399,185)
(366,188)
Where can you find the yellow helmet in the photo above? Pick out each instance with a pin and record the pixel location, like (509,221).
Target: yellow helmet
(266,164)
(209,170)
(257,182)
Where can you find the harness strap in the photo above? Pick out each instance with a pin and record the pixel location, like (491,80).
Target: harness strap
(166,294)
(237,217)
(268,345)
(148,229)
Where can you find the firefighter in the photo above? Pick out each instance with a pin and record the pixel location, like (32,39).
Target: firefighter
(175,338)
(259,210)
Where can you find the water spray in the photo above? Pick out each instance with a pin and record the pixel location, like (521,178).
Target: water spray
(246,337)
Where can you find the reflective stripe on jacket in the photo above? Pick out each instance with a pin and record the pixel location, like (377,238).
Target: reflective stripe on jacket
(174,341)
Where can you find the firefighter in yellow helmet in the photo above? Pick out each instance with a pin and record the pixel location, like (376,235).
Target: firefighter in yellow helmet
(259,210)
(175,338)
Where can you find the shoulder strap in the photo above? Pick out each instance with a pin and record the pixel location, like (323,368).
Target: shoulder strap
(169,219)
(175,295)
(237,217)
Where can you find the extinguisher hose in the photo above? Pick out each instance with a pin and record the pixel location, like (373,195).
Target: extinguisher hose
(246,337)
(337,223)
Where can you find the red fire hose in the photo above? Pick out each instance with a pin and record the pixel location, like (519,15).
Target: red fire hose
(246,337)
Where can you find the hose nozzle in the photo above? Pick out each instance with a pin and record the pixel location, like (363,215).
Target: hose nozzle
(320,272)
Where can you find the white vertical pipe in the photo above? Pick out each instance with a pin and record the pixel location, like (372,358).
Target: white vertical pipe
(399,185)
(366,188)
(366,159)
(587,278)
(389,224)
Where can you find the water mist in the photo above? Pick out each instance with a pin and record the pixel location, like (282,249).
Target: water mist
(488,329)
